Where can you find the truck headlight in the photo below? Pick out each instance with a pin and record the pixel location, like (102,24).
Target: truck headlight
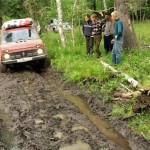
(6,56)
(40,51)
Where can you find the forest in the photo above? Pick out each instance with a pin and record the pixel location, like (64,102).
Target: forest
(43,10)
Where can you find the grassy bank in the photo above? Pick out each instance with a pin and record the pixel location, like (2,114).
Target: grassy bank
(80,68)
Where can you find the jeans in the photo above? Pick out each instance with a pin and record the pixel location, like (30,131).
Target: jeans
(116,52)
(89,44)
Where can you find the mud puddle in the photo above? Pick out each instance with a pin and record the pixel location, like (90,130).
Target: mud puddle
(7,136)
(102,125)
(79,145)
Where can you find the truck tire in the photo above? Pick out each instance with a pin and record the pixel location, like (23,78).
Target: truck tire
(45,63)
(3,68)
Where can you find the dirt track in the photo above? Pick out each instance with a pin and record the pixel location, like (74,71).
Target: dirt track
(36,113)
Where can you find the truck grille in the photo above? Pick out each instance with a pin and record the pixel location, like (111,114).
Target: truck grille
(18,55)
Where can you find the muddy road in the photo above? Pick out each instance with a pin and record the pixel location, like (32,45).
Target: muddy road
(39,111)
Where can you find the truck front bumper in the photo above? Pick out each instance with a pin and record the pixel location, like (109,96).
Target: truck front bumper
(25,59)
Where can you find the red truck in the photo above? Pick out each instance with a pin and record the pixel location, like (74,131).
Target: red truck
(20,43)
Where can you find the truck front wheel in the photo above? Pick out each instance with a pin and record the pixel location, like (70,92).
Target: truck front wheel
(45,63)
(3,68)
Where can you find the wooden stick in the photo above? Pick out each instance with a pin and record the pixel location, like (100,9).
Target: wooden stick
(125,87)
(145,137)
(129,117)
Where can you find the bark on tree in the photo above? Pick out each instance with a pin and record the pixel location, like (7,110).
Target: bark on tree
(60,23)
(129,36)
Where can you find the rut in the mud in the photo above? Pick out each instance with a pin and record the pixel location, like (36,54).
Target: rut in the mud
(41,118)
(102,126)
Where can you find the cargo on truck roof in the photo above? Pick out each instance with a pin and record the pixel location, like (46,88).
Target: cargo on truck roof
(17,23)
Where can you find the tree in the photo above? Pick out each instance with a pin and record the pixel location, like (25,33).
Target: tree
(14,9)
(1,11)
(129,38)
(105,5)
(60,23)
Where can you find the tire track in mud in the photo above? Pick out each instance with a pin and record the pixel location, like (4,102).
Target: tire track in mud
(42,119)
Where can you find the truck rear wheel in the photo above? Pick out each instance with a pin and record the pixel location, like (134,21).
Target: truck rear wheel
(3,68)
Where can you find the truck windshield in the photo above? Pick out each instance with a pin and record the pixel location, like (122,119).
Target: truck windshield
(19,35)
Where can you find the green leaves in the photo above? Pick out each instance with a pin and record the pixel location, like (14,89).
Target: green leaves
(14,9)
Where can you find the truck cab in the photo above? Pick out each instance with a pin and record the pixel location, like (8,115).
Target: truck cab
(20,43)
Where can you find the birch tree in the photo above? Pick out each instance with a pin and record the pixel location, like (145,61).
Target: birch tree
(105,5)
(60,23)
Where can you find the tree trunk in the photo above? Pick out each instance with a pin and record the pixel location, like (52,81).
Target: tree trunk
(1,21)
(60,23)
(94,4)
(72,31)
(129,36)
(105,5)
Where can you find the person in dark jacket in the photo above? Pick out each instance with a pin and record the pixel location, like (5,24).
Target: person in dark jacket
(118,33)
(87,32)
(108,32)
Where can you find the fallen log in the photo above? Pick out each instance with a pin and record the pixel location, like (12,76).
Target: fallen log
(131,80)
(127,95)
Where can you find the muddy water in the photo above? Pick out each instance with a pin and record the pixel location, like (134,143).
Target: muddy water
(102,125)
(7,135)
(77,146)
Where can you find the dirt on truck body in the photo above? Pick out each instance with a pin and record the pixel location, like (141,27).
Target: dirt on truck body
(42,112)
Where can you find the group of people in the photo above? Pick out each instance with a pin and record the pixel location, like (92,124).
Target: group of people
(113,31)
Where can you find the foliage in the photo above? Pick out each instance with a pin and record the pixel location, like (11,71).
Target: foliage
(13,9)
(44,10)
(139,9)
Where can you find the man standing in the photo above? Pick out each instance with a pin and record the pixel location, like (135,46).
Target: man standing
(108,32)
(87,32)
(96,33)
(118,32)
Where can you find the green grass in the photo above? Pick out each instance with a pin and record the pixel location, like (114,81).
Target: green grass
(141,123)
(123,109)
(80,68)
(142,32)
